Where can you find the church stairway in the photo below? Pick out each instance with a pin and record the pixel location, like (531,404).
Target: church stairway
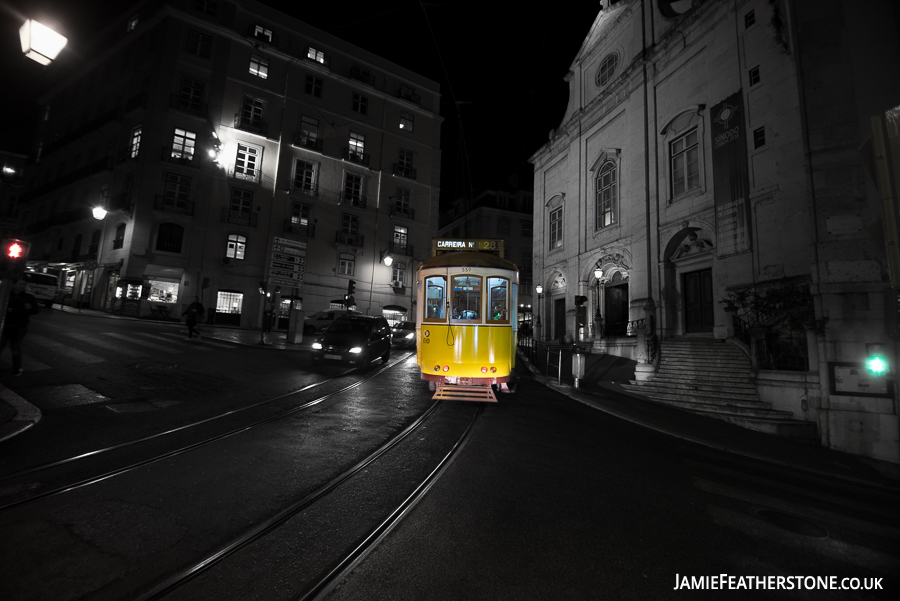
(713,378)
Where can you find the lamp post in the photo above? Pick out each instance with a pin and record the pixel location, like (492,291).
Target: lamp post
(39,42)
(537,326)
(598,318)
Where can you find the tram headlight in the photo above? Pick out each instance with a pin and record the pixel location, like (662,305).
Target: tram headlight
(317,346)
(446,368)
(437,368)
(356,350)
(493,370)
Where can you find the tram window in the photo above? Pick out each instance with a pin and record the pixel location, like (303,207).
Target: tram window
(466,301)
(498,300)
(435,298)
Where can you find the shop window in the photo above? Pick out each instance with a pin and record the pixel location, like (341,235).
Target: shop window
(229,302)
(163,291)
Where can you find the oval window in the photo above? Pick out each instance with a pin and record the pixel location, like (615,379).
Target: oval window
(607,69)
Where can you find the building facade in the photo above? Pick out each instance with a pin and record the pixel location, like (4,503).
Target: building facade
(238,151)
(707,166)
(503,215)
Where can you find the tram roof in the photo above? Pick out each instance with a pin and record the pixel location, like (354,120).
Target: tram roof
(468,259)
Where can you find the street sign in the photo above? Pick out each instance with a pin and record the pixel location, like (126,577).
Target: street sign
(278,248)
(296,260)
(281,282)
(289,275)
(287,266)
(289,242)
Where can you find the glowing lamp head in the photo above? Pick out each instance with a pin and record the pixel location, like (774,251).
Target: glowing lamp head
(39,42)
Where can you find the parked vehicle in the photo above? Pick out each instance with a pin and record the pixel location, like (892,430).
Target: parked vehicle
(43,286)
(356,339)
(317,322)
(403,334)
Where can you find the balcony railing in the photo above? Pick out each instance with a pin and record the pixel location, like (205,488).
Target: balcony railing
(188,105)
(305,188)
(256,126)
(180,157)
(239,217)
(360,158)
(348,239)
(403,171)
(353,199)
(251,32)
(360,74)
(173,205)
(409,96)
(301,140)
(398,248)
(308,229)
(243,173)
(402,211)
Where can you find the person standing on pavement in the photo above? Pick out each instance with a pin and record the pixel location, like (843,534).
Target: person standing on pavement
(21,306)
(194,314)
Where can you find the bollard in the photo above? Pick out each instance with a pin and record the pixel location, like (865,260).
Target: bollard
(578,366)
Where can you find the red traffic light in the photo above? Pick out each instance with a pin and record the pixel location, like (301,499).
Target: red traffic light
(14,250)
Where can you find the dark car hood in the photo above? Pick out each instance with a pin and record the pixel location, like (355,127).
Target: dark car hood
(349,339)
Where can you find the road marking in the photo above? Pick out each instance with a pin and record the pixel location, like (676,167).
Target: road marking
(118,348)
(208,341)
(169,340)
(67,351)
(132,340)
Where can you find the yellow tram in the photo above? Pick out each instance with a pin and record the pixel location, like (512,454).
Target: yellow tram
(466,319)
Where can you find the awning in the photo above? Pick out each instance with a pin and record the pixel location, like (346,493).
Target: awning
(397,308)
(161,271)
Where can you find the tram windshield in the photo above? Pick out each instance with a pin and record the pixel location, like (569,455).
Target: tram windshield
(435,298)
(498,300)
(466,301)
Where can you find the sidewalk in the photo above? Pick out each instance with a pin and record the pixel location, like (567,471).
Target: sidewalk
(600,389)
(18,415)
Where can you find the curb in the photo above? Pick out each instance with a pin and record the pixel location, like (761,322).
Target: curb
(27,415)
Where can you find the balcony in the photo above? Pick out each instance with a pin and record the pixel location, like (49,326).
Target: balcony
(302,140)
(188,105)
(404,171)
(173,205)
(254,126)
(246,174)
(361,75)
(348,239)
(238,217)
(184,157)
(305,188)
(403,212)
(360,158)
(398,248)
(308,229)
(353,199)
(262,37)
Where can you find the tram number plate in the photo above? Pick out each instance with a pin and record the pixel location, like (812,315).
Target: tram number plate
(464,381)
(338,357)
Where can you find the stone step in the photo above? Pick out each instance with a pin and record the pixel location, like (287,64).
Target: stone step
(674,381)
(714,375)
(705,391)
(687,399)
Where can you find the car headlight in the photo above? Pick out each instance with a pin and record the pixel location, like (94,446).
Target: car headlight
(317,346)
(409,336)
(356,350)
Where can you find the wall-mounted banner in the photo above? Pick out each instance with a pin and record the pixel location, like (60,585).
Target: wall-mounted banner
(731,183)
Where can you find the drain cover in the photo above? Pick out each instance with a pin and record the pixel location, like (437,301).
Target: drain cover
(792,523)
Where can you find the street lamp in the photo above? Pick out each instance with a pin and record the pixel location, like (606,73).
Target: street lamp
(598,318)
(39,42)
(537,327)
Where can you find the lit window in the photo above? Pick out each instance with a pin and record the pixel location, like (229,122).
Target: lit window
(229,302)
(556,231)
(135,141)
(398,271)
(262,33)
(237,245)
(316,55)
(435,298)
(247,162)
(300,215)
(360,104)
(685,166)
(183,144)
(465,304)
(314,86)
(259,66)
(498,300)
(407,121)
(607,69)
(357,145)
(401,239)
(607,197)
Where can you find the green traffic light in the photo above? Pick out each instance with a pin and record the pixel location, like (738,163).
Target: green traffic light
(877,365)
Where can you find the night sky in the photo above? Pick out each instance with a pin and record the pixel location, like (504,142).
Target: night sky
(501,72)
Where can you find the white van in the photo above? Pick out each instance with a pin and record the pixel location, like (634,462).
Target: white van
(42,285)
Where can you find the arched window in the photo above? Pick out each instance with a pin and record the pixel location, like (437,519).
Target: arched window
(119,240)
(237,245)
(607,195)
(169,237)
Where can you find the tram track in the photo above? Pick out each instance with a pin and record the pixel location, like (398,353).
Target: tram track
(134,465)
(331,575)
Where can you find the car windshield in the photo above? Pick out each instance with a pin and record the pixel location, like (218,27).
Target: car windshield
(405,325)
(350,326)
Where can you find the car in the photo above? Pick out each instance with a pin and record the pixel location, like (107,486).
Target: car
(356,339)
(403,334)
(317,322)
(43,286)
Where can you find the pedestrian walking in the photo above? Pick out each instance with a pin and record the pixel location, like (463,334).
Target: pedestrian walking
(194,315)
(21,306)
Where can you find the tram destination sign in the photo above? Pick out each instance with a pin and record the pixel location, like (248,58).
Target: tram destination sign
(440,246)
